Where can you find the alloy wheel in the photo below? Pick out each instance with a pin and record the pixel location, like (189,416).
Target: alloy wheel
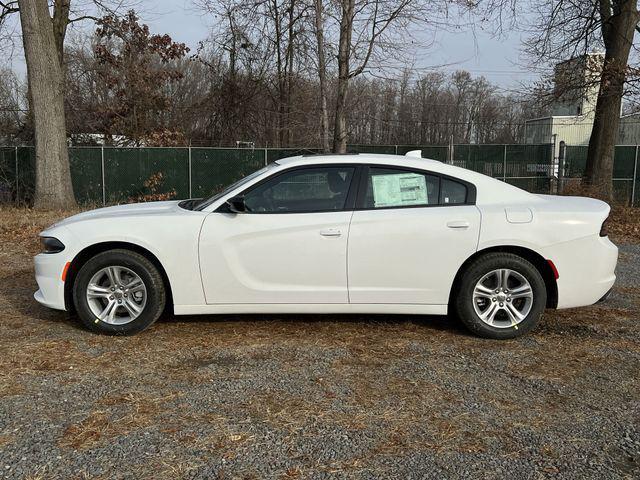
(116,295)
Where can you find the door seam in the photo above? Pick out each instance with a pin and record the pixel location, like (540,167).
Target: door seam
(346,267)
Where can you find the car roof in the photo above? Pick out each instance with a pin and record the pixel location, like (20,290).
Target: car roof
(489,190)
(354,158)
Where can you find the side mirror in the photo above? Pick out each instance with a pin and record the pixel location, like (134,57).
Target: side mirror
(236,205)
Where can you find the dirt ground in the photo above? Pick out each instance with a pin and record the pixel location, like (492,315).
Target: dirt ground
(315,396)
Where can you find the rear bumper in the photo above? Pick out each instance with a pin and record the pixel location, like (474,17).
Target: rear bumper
(586,269)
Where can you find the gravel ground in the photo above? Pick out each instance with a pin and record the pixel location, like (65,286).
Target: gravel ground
(317,396)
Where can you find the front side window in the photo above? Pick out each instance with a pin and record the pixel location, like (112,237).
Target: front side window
(302,190)
(389,187)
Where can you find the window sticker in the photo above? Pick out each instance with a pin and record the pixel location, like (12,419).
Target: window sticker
(402,189)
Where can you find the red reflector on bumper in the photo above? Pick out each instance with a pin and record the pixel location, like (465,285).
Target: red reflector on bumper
(65,270)
(553,269)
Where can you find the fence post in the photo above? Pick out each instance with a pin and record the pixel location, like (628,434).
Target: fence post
(266,158)
(633,185)
(104,191)
(396,147)
(504,164)
(190,192)
(17,180)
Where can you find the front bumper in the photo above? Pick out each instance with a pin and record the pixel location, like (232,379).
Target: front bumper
(49,268)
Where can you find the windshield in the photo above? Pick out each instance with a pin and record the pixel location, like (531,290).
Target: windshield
(208,201)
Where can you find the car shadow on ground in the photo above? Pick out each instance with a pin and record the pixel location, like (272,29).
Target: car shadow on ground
(432,322)
(20,296)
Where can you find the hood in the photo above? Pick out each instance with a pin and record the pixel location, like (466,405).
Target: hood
(129,210)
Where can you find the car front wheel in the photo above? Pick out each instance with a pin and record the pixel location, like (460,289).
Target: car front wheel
(501,295)
(119,292)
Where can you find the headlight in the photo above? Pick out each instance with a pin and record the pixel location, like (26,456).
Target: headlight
(51,245)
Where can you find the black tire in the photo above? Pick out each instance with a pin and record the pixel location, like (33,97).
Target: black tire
(463,302)
(141,266)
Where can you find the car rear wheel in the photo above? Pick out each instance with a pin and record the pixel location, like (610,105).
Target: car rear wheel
(119,292)
(500,296)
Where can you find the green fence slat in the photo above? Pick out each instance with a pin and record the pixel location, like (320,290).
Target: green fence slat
(381,149)
(128,172)
(7,174)
(274,154)
(85,164)
(26,177)
(137,173)
(212,169)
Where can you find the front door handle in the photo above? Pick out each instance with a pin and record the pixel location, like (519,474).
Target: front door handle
(458,224)
(330,232)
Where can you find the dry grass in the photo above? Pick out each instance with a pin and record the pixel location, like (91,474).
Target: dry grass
(411,380)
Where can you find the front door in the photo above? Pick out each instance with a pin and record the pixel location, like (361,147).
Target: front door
(289,247)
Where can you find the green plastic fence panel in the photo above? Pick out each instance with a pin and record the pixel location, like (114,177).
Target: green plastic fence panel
(533,185)
(212,169)
(529,160)
(8,157)
(26,180)
(623,170)
(86,174)
(433,152)
(274,154)
(135,173)
(623,162)
(384,149)
(440,153)
(486,159)
(575,160)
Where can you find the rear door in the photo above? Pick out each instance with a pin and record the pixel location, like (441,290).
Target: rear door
(409,235)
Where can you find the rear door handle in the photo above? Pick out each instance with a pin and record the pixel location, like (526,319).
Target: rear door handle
(458,224)
(330,232)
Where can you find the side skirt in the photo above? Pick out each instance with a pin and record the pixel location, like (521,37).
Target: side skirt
(402,309)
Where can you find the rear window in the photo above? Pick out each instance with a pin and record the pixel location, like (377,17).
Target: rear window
(452,192)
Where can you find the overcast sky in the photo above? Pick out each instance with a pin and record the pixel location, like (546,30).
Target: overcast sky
(498,60)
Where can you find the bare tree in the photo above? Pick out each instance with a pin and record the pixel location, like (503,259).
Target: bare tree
(568,29)
(46,86)
(619,20)
(44,28)
(375,31)
(322,75)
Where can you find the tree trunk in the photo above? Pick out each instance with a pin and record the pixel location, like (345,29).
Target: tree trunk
(617,31)
(344,51)
(46,83)
(322,77)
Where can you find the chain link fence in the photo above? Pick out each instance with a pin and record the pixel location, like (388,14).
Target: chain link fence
(106,175)
(626,177)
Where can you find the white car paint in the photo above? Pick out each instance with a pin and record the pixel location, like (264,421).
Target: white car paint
(370,261)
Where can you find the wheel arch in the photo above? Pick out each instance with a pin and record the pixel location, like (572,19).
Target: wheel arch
(538,261)
(88,252)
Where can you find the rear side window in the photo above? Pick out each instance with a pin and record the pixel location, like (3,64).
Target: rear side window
(452,192)
(388,187)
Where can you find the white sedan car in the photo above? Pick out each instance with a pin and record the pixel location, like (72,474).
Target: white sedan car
(335,234)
